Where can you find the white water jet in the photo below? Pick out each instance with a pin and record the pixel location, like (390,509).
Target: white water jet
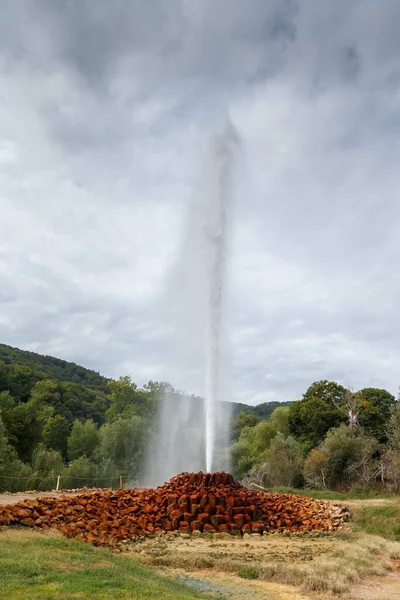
(193,434)
(216,230)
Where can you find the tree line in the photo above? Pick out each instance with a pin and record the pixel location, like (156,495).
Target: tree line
(86,435)
(332,438)
(91,430)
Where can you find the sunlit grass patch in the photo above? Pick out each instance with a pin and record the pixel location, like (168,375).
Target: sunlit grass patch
(36,566)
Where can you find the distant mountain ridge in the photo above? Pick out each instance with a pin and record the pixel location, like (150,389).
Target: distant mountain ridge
(63,370)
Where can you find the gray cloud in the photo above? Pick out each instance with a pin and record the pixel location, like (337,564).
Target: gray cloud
(105,117)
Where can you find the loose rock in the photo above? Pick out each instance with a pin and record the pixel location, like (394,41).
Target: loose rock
(190,502)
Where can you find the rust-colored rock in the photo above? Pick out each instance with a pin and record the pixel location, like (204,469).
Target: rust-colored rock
(217,520)
(257,528)
(200,502)
(239,520)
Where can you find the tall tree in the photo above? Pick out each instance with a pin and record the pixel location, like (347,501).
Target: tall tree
(393,429)
(83,440)
(375,412)
(329,392)
(122,442)
(285,461)
(311,419)
(55,434)
(241,421)
(24,425)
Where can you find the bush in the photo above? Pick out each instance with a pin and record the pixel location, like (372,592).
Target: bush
(47,464)
(391,462)
(80,473)
(344,458)
(285,461)
(15,476)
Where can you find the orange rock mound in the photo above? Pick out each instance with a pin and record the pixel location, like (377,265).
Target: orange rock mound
(190,502)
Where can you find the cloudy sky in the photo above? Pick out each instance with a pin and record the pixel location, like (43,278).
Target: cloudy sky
(106,114)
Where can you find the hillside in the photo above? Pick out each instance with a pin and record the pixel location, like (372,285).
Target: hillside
(55,368)
(65,371)
(261,411)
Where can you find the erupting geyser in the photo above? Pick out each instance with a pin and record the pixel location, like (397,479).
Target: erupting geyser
(216,234)
(190,437)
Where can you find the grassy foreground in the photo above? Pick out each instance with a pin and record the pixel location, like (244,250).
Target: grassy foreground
(35,566)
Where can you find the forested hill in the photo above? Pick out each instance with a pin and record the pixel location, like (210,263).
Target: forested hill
(261,411)
(55,368)
(62,370)
(57,418)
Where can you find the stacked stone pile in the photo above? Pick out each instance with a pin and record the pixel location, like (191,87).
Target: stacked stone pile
(188,503)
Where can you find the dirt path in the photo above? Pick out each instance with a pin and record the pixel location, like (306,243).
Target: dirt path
(382,588)
(235,588)
(14,498)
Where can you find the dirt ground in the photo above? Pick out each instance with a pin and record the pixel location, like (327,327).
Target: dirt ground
(8,498)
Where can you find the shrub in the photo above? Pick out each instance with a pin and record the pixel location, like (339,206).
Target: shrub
(344,458)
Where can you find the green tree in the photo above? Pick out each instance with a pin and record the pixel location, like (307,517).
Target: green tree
(279,420)
(79,473)
(47,464)
(122,442)
(391,462)
(5,448)
(124,395)
(152,394)
(83,440)
(285,461)
(7,402)
(243,460)
(393,430)
(242,420)
(71,400)
(375,412)
(24,425)
(329,392)
(21,380)
(15,476)
(310,420)
(55,434)
(251,449)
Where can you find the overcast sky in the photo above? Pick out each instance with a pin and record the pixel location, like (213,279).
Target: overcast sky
(106,113)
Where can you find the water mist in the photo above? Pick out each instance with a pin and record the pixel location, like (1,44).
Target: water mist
(192,433)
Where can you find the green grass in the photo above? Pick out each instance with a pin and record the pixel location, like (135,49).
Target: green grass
(379,520)
(356,493)
(248,571)
(47,567)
